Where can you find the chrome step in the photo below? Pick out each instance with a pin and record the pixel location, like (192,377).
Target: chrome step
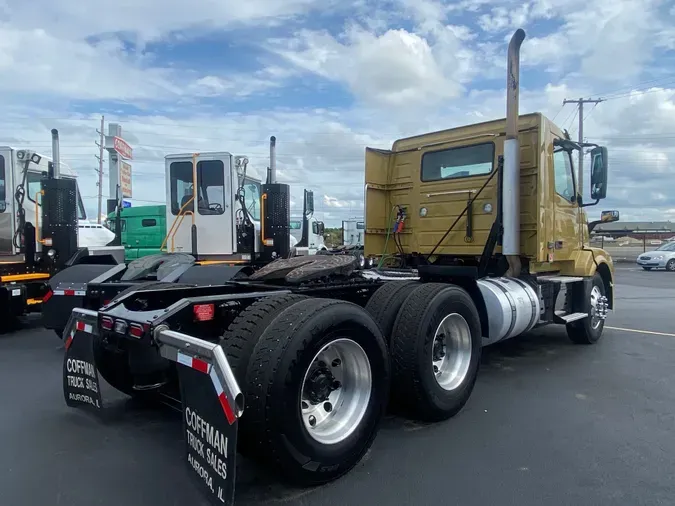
(572,317)
(559,279)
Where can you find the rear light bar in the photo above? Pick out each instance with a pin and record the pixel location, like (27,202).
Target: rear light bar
(136,330)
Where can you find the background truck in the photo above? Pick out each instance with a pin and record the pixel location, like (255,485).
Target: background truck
(43,227)
(480,235)
(353,232)
(142,230)
(236,228)
(307,233)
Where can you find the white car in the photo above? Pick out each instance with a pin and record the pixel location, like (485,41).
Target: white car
(661,258)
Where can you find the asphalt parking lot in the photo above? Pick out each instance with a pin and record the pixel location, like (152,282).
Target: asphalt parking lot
(548,423)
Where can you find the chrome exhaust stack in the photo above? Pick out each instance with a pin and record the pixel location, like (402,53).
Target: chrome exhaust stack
(511,176)
(56,154)
(273,160)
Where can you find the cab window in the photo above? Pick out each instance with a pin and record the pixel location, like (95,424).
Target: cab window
(148,222)
(252,198)
(33,180)
(3,193)
(180,174)
(456,163)
(564,178)
(296,225)
(113,221)
(210,185)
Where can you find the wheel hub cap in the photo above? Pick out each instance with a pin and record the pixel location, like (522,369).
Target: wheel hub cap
(335,392)
(451,351)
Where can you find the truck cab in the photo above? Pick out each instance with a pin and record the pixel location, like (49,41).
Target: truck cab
(21,171)
(236,217)
(435,179)
(353,232)
(142,230)
(315,231)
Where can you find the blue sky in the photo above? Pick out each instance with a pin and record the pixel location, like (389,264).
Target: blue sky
(329,78)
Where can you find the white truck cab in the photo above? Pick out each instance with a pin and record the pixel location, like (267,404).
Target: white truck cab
(314,235)
(21,171)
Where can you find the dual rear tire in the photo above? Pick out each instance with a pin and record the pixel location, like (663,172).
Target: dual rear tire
(316,373)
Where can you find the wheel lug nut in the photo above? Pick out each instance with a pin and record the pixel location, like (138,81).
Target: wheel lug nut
(336,362)
(328,406)
(312,420)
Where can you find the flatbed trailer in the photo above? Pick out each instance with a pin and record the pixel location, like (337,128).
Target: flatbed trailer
(295,361)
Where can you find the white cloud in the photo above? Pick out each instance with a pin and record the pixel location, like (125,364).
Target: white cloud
(412,66)
(151,20)
(395,68)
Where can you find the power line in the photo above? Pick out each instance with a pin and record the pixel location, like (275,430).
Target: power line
(580,111)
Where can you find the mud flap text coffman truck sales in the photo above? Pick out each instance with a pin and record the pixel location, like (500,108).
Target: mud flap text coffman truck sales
(211,399)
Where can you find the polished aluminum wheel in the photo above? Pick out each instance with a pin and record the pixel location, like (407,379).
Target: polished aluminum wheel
(451,354)
(598,310)
(336,391)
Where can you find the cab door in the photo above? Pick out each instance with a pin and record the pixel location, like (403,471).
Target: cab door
(6,221)
(565,206)
(209,207)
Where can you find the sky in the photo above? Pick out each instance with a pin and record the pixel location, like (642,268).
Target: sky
(329,78)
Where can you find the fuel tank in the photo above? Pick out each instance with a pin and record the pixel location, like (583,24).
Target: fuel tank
(513,307)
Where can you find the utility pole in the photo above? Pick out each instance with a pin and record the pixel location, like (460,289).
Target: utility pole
(580,102)
(100,168)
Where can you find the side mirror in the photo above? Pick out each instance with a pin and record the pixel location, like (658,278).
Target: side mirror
(309,201)
(605,217)
(599,173)
(609,216)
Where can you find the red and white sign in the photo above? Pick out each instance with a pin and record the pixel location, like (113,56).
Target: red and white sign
(122,148)
(125,179)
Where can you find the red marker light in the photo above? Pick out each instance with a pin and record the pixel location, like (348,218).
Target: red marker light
(136,330)
(107,323)
(204,312)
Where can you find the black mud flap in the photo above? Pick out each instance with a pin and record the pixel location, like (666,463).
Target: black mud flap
(210,432)
(81,387)
(212,401)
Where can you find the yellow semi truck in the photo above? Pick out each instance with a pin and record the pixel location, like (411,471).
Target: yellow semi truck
(475,234)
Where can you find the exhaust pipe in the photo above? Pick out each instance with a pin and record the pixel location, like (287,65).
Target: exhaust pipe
(511,176)
(56,155)
(273,159)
